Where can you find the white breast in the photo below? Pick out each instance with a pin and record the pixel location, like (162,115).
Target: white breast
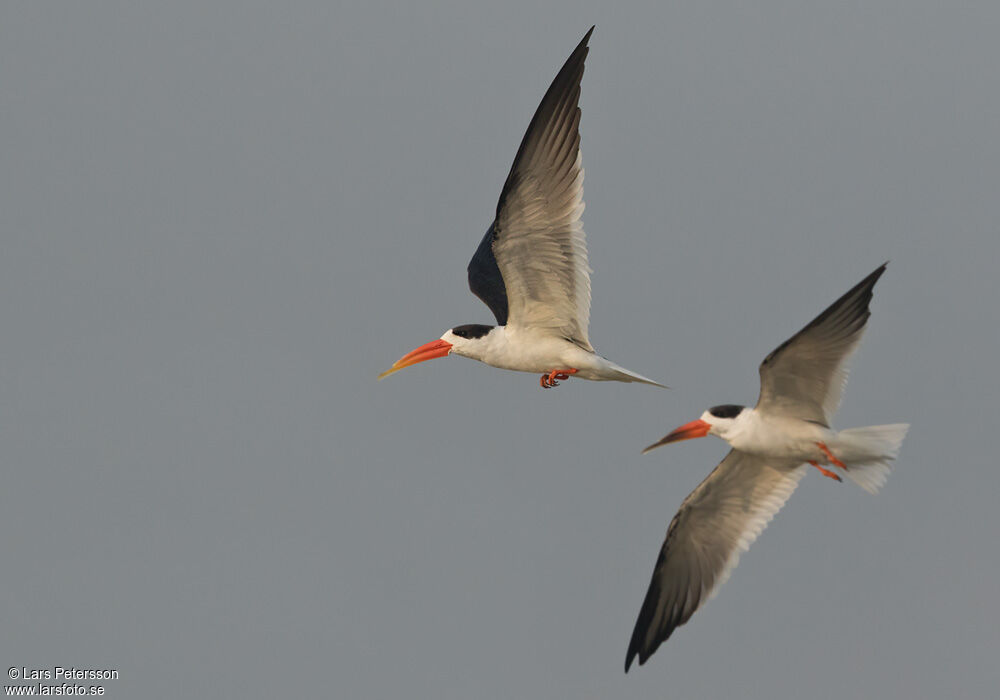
(778,436)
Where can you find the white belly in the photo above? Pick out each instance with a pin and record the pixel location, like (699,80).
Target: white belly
(541,354)
(784,438)
(537,352)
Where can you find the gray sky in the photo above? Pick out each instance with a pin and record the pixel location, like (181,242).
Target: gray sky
(221,221)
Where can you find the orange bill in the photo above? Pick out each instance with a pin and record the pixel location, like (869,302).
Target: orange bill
(694,429)
(435,348)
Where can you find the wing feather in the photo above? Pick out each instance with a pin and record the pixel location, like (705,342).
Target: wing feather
(805,376)
(716,523)
(485,279)
(538,242)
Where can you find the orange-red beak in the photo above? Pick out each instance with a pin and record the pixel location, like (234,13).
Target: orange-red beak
(694,429)
(435,348)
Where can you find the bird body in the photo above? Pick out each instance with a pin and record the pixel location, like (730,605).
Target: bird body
(531,267)
(530,350)
(772,444)
(767,435)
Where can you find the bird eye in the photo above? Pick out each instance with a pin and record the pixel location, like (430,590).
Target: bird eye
(727,410)
(471,331)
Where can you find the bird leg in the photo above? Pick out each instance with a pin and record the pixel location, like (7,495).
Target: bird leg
(825,472)
(549,380)
(833,460)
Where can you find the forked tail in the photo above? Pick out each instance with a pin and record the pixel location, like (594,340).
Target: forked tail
(868,451)
(627,375)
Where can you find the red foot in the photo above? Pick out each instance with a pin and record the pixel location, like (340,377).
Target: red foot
(549,380)
(825,472)
(833,460)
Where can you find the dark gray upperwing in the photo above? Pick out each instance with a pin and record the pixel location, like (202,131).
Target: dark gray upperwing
(557,117)
(805,375)
(715,524)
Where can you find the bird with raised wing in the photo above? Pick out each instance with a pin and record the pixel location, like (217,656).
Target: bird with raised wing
(531,267)
(772,444)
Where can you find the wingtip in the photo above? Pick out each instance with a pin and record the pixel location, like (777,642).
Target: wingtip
(584,44)
(876,274)
(586,38)
(634,653)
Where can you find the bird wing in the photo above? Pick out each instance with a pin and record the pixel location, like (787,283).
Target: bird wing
(716,523)
(485,279)
(805,375)
(537,243)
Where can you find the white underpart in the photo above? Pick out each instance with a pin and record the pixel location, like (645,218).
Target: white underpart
(867,452)
(539,352)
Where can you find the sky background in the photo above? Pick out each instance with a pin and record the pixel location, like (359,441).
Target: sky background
(220,221)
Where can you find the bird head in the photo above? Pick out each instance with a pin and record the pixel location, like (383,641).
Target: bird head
(467,340)
(721,421)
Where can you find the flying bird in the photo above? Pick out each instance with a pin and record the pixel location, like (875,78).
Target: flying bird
(800,387)
(531,266)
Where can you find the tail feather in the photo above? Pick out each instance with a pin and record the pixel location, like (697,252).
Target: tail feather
(626,375)
(616,373)
(868,452)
